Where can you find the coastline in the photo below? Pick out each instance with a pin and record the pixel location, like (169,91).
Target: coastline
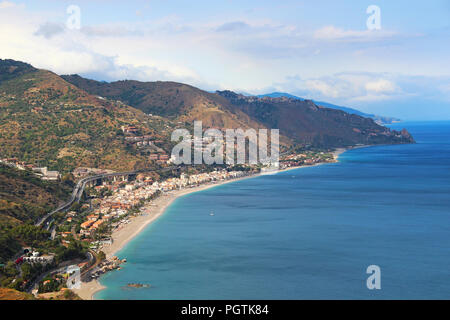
(124,235)
(155,209)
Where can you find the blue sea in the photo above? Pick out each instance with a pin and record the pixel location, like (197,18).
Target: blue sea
(308,233)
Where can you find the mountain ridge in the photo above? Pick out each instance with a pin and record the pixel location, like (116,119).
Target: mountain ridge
(188,103)
(165,98)
(64,122)
(310,124)
(379,119)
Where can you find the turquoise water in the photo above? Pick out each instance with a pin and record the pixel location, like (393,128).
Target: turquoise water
(307,233)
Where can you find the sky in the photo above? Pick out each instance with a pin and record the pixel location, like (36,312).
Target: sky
(397,65)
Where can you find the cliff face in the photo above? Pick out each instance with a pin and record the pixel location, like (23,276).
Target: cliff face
(377,118)
(306,123)
(406,135)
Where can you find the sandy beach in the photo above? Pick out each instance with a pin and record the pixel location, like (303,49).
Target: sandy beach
(154,210)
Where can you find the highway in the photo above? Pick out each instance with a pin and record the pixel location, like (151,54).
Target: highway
(80,186)
(79,189)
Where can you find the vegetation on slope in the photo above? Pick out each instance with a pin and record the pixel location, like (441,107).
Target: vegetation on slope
(23,199)
(11,294)
(176,101)
(300,122)
(46,121)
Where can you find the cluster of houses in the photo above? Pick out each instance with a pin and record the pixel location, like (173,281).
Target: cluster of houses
(129,129)
(41,172)
(148,142)
(132,194)
(159,157)
(294,160)
(35,257)
(92,223)
(140,140)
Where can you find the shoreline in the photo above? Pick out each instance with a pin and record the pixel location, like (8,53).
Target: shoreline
(137,224)
(157,208)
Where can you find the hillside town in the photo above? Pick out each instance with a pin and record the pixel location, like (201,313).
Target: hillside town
(109,205)
(113,204)
(125,196)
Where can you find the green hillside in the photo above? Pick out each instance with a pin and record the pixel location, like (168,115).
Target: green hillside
(23,199)
(47,121)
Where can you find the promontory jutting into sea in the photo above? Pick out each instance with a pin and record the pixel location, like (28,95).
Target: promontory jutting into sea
(261,244)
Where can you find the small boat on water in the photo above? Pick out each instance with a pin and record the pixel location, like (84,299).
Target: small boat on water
(211,213)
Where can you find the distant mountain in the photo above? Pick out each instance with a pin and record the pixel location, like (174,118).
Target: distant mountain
(300,121)
(306,123)
(378,119)
(278,95)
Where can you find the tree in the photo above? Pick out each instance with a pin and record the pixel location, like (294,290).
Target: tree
(101,256)
(10,269)
(27,270)
(68,179)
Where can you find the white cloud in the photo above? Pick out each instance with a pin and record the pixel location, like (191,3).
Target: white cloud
(365,88)
(380,86)
(345,87)
(95,51)
(242,54)
(337,34)
(49,29)
(322,87)
(6,4)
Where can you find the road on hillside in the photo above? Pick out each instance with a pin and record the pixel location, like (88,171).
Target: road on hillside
(80,186)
